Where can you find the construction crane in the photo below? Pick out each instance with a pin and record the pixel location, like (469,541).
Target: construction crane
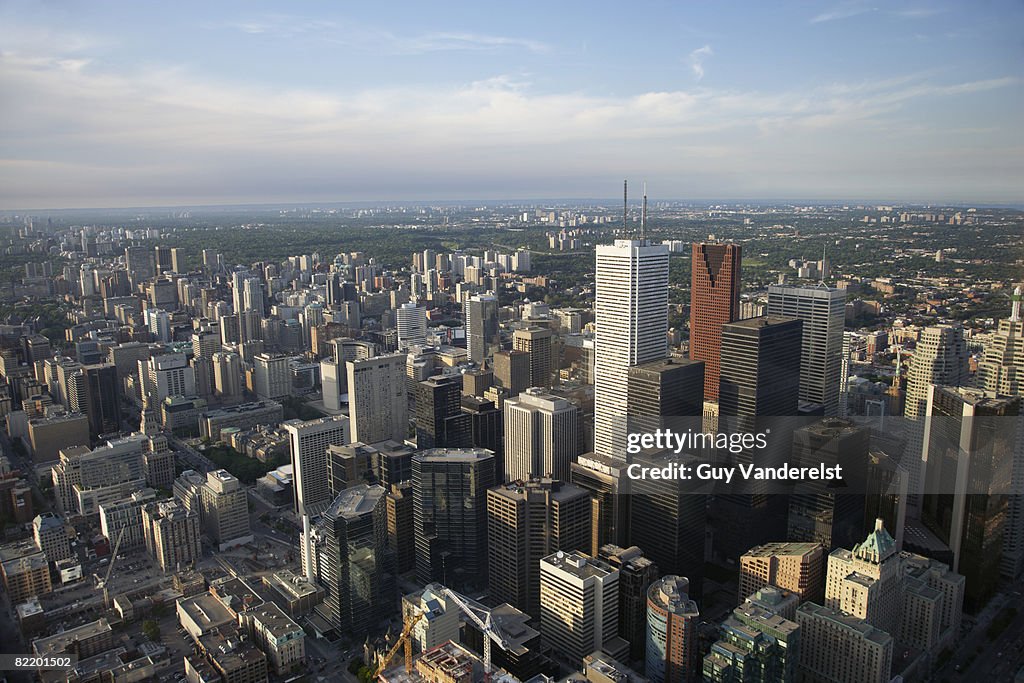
(403,640)
(113,561)
(481,616)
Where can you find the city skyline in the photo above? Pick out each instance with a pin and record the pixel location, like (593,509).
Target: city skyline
(118,105)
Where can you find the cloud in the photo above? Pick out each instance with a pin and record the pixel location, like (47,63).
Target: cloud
(841,12)
(697,58)
(377,41)
(77,132)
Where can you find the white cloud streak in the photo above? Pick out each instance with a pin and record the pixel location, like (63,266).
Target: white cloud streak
(697,58)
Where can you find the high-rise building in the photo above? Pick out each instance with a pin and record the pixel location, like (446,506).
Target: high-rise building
(605,478)
(349,556)
(227,376)
(512,370)
(672,652)
(412,325)
(579,606)
(795,567)
(971,440)
(482,336)
(401,528)
(714,301)
(755,645)
(378,407)
(941,359)
(103,399)
(759,383)
(631,317)
(440,618)
(541,436)
(536,341)
(1001,369)
(668,520)
(308,442)
(450,514)
(526,521)
(123,519)
(172,534)
(666,388)
(838,647)
(819,513)
(225,510)
(166,375)
(823,312)
(139,263)
(51,536)
(272,376)
(476,382)
(440,422)
(636,574)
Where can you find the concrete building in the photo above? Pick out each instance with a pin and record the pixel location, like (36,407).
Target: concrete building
(244,416)
(166,375)
(308,442)
(579,600)
(411,321)
(51,536)
(272,376)
(171,533)
(292,592)
(527,521)
(796,567)
(225,510)
(378,406)
(281,639)
(48,435)
(86,479)
(25,571)
(85,641)
(542,437)
(838,647)
(441,617)
(823,312)
(123,519)
(536,341)
(227,376)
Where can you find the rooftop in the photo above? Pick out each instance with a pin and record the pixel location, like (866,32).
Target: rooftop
(57,644)
(579,565)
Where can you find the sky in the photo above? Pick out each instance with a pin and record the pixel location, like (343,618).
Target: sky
(111,104)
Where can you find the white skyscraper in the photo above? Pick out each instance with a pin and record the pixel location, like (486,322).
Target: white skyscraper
(308,442)
(378,406)
(940,359)
(541,436)
(631,316)
(411,321)
(823,310)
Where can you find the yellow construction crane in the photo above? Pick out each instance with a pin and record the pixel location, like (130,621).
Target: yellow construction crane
(405,639)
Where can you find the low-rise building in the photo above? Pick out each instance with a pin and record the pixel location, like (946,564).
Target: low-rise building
(85,641)
(280,638)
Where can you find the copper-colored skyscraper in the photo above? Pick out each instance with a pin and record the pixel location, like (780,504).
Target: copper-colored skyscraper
(714,301)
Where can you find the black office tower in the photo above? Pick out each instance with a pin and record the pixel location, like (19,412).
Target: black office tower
(440,422)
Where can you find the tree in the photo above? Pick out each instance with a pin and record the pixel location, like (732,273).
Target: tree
(151,630)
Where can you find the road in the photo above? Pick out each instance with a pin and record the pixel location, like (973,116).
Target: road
(978,659)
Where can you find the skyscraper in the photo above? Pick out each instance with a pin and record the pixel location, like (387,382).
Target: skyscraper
(541,436)
(1001,370)
(308,442)
(450,514)
(940,359)
(631,316)
(636,574)
(482,339)
(512,370)
(819,513)
(971,439)
(525,522)
(672,648)
(536,341)
(378,407)
(822,310)
(440,422)
(666,388)
(579,606)
(412,325)
(351,561)
(714,301)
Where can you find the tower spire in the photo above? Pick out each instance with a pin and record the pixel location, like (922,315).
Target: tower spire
(625,205)
(643,216)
